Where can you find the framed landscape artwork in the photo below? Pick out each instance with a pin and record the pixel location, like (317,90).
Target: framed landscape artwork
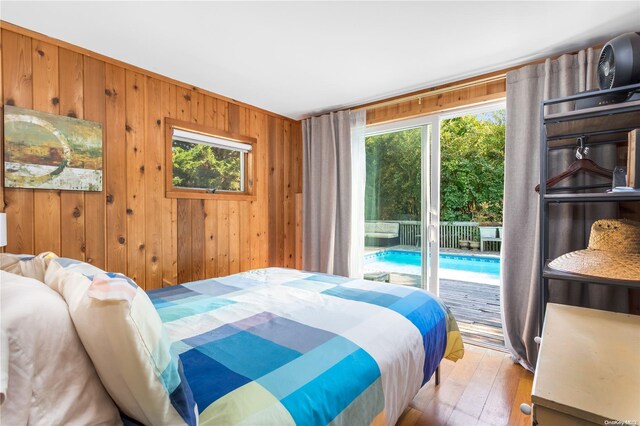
(48,151)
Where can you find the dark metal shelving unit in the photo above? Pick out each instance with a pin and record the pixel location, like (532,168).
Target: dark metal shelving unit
(607,124)
(593,197)
(554,274)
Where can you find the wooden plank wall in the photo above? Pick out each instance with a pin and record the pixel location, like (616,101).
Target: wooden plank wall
(131,227)
(466,93)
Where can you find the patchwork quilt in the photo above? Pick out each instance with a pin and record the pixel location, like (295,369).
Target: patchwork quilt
(281,346)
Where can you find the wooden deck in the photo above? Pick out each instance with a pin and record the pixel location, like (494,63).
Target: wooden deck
(477,310)
(475,306)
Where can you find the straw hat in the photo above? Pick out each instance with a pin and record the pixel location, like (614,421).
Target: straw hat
(613,252)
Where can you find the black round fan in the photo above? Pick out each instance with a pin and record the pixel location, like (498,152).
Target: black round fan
(619,63)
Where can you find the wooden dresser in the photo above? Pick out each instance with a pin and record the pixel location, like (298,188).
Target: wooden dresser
(588,369)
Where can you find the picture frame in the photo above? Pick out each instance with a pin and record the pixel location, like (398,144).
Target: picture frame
(49,151)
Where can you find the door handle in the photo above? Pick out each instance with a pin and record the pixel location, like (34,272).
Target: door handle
(433,227)
(432,234)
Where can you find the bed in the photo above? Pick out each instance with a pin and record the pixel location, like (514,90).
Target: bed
(281,346)
(269,346)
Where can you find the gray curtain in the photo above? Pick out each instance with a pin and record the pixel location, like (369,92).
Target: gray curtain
(569,223)
(327,188)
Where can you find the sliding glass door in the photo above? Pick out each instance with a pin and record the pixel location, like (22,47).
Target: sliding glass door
(393,206)
(403,197)
(434,199)
(402,204)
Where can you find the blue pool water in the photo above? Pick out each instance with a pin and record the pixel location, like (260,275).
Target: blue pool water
(452,266)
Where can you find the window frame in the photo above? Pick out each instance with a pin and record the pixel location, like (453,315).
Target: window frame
(249,165)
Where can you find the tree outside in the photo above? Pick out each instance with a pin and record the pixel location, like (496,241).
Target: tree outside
(472,171)
(204,166)
(393,176)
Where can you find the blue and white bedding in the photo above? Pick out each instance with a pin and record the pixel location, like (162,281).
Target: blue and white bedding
(280,346)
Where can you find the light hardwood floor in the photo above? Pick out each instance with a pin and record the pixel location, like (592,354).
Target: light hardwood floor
(483,388)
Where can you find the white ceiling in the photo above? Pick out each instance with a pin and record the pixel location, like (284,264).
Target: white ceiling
(302,58)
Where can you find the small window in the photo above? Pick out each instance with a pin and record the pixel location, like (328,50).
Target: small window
(207,163)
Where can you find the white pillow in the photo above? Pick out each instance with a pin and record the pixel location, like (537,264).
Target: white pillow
(50,378)
(26,265)
(127,342)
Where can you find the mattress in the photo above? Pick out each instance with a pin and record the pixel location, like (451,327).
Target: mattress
(281,346)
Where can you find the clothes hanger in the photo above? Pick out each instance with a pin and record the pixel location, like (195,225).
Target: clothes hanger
(580,165)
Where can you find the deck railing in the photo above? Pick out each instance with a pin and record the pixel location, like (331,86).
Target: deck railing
(409,232)
(450,234)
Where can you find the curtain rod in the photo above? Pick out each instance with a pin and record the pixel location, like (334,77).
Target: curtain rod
(430,93)
(499,75)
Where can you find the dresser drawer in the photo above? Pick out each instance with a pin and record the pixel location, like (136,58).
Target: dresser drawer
(543,416)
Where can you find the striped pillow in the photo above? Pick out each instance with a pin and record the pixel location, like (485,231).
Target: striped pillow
(125,339)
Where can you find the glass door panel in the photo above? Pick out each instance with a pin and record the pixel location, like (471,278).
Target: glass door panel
(394,206)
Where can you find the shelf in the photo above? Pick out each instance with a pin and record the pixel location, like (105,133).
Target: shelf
(596,197)
(562,142)
(620,117)
(592,112)
(555,274)
(605,126)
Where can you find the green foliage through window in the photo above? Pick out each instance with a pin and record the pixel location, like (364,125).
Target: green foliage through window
(393,176)
(472,167)
(206,167)
(472,171)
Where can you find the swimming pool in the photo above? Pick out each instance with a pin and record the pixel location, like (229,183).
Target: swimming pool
(482,269)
